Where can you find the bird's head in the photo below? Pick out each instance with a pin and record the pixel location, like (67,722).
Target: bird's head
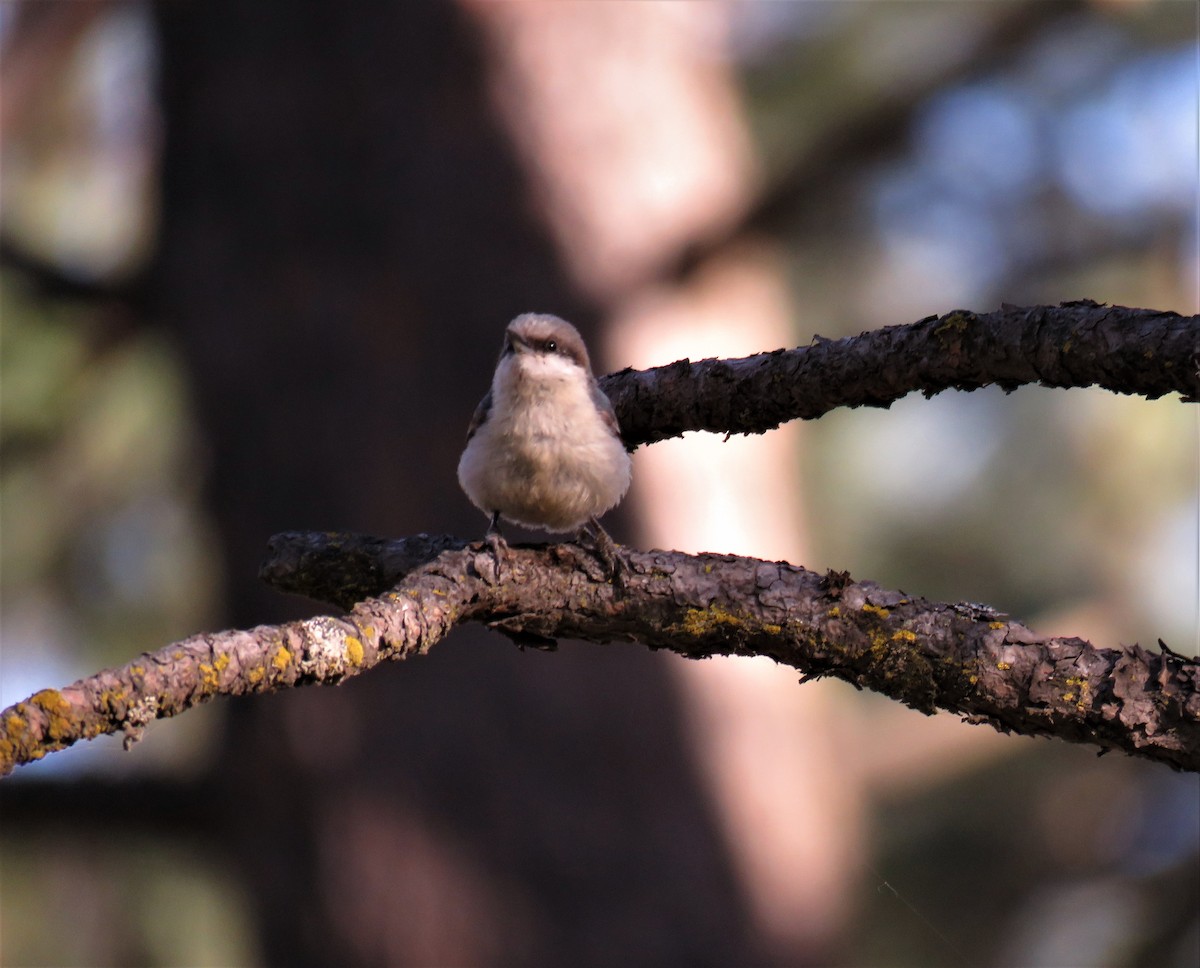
(544,346)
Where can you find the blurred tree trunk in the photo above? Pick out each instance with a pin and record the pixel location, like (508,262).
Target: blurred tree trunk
(344,233)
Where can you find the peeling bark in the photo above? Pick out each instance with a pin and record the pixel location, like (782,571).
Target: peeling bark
(929,655)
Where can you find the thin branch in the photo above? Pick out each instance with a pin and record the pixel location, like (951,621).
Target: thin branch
(50,280)
(928,655)
(870,124)
(1077,344)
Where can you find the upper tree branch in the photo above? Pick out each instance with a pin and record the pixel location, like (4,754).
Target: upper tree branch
(1077,344)
(928,655)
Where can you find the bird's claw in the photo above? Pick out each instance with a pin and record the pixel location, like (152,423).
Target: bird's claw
(606,550)
(495,541)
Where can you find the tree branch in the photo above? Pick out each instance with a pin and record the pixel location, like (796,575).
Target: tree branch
(1077,344)
(929,655)
(49,280)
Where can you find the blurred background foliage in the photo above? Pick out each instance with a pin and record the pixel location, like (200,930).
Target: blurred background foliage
(910,158)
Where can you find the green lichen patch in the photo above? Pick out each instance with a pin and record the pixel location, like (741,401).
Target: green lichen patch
(1078,692)
(956,322)
(703,623)
(60,724)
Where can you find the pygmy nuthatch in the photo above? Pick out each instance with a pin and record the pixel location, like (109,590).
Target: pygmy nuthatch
(544,449)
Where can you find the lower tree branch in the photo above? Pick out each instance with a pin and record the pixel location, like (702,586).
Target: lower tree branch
(929,655)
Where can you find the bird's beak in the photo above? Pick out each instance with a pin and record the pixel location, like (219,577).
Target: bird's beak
(513,343)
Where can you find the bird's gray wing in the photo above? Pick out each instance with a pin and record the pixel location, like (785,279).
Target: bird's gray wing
(481,414)
(607,414)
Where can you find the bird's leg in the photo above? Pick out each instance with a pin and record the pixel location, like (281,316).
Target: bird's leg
(605,547)
(495,541)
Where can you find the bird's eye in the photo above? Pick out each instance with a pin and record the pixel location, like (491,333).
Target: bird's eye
(551,346)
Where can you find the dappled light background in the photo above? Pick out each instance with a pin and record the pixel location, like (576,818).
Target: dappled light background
(710,179)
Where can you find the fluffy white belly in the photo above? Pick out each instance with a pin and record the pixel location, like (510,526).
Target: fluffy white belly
(547,468)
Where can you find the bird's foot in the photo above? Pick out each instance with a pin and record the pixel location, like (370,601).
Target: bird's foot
(495,541)
(605,549)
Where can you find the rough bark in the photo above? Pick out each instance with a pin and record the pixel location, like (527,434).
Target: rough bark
(1076,344)
(964,658)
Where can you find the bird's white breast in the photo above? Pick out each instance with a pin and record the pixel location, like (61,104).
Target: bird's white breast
(545,456)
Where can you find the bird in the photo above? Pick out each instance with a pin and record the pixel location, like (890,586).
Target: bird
(544,448)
